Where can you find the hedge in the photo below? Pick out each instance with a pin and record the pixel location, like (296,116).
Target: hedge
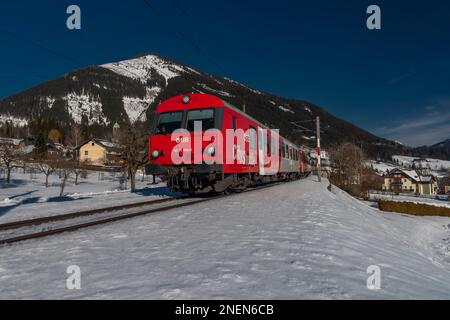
(417,209)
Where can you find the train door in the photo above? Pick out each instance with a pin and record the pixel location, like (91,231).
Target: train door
(261,146)
(252,147)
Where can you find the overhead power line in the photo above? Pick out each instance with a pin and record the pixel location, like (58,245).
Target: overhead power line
(37,45)
(56,53)
(183,35)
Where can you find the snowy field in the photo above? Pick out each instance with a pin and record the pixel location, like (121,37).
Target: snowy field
(293,241)
(435,164)
(380,166)
(26,197)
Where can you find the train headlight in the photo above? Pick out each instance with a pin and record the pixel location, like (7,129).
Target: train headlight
(210,151)
(186,99)
(155,154)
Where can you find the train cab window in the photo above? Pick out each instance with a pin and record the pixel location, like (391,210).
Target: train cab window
(252,138)
(205,116)
(169,122)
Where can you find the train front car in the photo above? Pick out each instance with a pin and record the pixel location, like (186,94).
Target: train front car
(202,143)
(177,146)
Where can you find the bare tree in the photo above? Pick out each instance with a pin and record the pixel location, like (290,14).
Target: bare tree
(47,167)
(348,166)
(75,136)
(65,168)
(133,152)
(11,158)
(79,170)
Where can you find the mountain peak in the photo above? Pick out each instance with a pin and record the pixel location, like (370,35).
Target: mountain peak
(143,68)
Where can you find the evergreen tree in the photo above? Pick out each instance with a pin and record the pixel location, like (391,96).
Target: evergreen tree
(40,148)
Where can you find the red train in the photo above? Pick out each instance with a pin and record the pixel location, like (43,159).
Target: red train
(200,142)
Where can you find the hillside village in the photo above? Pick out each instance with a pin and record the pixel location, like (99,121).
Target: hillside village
(402,175)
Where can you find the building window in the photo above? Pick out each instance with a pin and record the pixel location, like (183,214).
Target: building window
(86,153)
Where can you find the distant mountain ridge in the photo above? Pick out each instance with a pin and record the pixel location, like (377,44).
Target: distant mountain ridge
(129,91)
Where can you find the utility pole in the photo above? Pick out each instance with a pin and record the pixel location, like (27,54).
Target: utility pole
(319,171)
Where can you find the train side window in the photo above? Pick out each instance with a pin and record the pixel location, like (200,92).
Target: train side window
(283,150)
(267,143)
(252,138)
(273,150)
(234,123)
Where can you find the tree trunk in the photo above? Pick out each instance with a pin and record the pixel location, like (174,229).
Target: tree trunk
(76,178)
(63,185)
(133,180)
(8,174)
(46,180)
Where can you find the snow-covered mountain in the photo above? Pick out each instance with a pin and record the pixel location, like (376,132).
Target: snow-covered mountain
(128,91)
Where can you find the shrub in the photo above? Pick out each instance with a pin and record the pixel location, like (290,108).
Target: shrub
(417,209)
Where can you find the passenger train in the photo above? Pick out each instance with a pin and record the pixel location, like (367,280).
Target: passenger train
(200,143)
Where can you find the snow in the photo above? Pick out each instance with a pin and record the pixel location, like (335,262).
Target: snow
(219,92)
(28,198)
(292,241)
(242,85)
(380,166)
(307,109)
(136,108)
(285,109)
(141,68)
(435,164)
(84,104)
(17,122)
(49,101)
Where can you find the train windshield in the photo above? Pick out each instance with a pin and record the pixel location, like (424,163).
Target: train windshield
(169,122)
(205,116)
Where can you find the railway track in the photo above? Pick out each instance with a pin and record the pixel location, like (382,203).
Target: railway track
(28,229)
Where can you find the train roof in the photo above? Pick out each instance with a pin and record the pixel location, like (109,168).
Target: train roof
(205,100)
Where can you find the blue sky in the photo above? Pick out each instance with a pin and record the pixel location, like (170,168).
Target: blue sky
(394,82)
